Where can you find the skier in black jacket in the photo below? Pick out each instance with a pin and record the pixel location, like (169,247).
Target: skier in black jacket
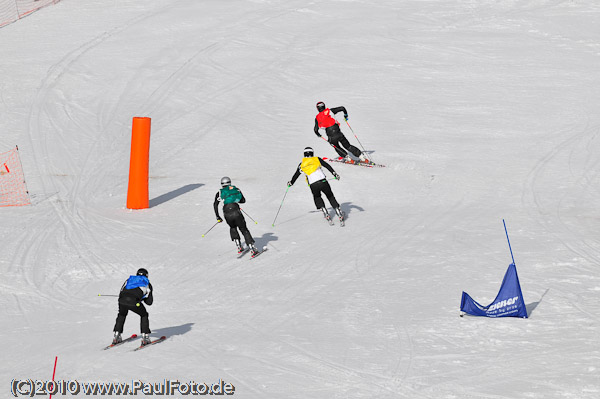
(135,290)
(335,137)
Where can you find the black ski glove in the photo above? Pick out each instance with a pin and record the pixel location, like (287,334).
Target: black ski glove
(289,184)
(346,116)
(336,176)
(219,220)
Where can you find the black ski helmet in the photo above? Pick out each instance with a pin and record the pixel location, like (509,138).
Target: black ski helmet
(321,106)
(309,152)
(142,272)
(225,181)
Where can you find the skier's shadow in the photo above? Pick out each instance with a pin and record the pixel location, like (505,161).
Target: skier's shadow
(530,308)
(348,208)
(265,239)
(177,330)
(172,194)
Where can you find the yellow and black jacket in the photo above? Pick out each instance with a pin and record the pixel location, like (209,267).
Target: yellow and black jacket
(311,167)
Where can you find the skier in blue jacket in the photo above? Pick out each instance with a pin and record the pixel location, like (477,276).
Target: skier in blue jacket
(135,290)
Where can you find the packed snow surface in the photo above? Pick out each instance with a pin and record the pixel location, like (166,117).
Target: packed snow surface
(480,110)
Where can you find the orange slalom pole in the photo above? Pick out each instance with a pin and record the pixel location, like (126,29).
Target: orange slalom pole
(137,193)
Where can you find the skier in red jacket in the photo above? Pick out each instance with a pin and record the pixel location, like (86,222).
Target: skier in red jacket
(335,137)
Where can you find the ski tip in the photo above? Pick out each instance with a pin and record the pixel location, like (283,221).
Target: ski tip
(163,337)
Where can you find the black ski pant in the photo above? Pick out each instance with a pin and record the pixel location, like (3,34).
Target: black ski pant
(322,186)
(235,220)
(140,310)
(337,138)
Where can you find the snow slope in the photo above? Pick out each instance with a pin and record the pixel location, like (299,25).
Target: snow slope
(481,110)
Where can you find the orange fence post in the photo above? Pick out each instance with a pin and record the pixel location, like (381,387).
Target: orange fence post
(137,193)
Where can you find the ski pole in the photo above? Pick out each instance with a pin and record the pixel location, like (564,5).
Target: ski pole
(210,229)
(361,146)
(255,222)
(106,295)
(507,239)
(286,191)
(337,148)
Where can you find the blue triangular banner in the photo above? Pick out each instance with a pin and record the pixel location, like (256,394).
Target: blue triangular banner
(508,303)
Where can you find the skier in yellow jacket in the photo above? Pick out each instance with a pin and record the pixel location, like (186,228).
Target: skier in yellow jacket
(311,167)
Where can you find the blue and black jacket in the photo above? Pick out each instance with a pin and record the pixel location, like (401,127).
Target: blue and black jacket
(135,290)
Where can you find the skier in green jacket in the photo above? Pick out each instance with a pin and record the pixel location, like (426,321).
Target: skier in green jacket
(231,196)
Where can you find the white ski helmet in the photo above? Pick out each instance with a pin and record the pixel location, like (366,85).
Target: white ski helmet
(309,152)
(225,181)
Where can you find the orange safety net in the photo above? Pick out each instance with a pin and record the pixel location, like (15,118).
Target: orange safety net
(13,190)
(12,10)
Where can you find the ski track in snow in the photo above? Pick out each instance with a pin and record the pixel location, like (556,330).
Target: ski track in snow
(568,153)
(448,94)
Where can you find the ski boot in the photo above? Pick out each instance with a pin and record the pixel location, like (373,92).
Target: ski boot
(341,215)
(253,250)
(326,216)
(363,159)
(117,339)
(145,339)
(239,245)
(347,159)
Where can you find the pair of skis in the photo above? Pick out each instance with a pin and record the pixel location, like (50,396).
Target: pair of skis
(134,336)
(246,250)
(341,218)
(353,162)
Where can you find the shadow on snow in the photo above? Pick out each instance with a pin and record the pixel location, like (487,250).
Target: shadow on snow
(173,194)
(347,208)
(265,239)
(531,307)
(171,331)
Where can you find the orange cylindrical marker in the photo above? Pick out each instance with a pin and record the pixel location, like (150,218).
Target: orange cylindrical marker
(137,193)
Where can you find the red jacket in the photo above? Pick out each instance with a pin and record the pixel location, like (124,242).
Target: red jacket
(325,119)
